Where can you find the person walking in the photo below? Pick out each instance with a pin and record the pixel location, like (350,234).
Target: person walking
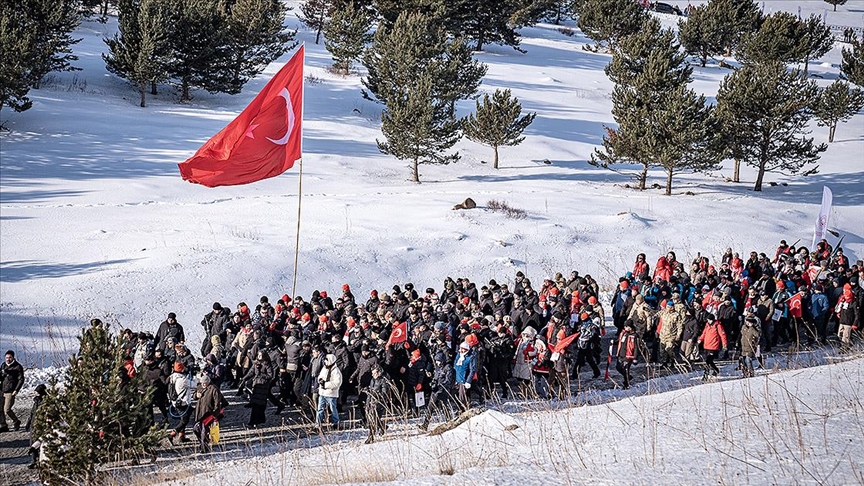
(12,379)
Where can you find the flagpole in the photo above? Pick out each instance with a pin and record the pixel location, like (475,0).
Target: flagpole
(300,176)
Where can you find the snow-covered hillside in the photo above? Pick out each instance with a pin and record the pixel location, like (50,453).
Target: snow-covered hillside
(96,221)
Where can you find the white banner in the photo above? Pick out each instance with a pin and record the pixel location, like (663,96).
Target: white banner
(822,220)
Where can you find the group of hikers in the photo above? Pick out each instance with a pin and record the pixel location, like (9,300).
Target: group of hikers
(415,353)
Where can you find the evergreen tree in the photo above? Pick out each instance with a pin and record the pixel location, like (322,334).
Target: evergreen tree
(838,102)
(390,10)
(817,40)
(764,110)
(682,135)
(485,21)
(55,20)
(17,48)
(254,38)
(419,128)
(700,35)
(346,36)
(779,38)
(411,72)
(607,22)
(99,415)
(497,122)
(420,45)
(732,21)
(198,43)
(140,51)
(315,14)
(852,65)
(835,3)
(650,74)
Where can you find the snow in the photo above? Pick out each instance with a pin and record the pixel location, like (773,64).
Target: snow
(801,426)
(95,221)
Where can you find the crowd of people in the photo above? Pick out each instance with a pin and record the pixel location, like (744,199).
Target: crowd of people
(430,352)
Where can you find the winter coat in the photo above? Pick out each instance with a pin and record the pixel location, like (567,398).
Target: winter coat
(379,391)
(260,377)
(622,302)
(12,376)
(343,357)
(466,367)
(847,310)
(713,336)
(641,315)
(292,354)
(180,388)
(330,378)
(751,331)
(444,379)
(818,305)
(692,329)
(167,330)
(628,346)
(210,402)
(363,374)
(765,308)
(416,373)
(672,327)
(216,322)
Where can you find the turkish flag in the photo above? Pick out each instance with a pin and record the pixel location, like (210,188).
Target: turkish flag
(399,334)
(795,307)
(561,345)
(262,142)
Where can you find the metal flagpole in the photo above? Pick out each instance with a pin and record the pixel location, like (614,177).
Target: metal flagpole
(300,177)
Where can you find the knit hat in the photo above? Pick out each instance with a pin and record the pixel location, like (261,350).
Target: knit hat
(217,306)
(584,316)
(205,378)
(171,315)
(464,346)
(345,288)
(415,354)
(624,285)
(178,367)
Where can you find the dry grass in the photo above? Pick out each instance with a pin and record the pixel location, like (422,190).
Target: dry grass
(497,206)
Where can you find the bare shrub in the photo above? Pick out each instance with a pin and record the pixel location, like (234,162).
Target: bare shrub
(497,206)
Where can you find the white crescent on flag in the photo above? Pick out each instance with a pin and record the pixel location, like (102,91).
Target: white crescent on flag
(282,141)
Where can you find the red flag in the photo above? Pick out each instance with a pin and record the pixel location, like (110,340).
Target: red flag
(561,345)
(399,334)
(262,142)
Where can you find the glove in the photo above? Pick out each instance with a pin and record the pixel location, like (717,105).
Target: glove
(467,386)
(854,328)
(418,386)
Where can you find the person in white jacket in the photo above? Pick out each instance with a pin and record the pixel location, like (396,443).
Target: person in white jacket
(329,382)
(180,389)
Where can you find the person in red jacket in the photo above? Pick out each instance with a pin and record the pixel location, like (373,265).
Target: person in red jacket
(713,339)
(628,345)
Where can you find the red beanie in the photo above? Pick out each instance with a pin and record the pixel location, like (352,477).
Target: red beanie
(323,294)
(345,288)
(625,285)
(178,367)
(584,316)
(592,300)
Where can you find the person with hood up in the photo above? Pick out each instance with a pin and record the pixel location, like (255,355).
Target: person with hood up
(465,368)
(329,382)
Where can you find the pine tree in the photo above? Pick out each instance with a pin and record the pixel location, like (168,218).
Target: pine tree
(700,35)
(484,21)
(140,51)
(411,73)
(817,41)
(254,38)
(660,122)
(852,65)
(89,7)
(779,38)
(497,122)
(835,3)
(315,14)
(55,20)
(346,36)
(607,22)
(420,45)
(17,48)
(419,127)
(838,102)
(97,416)
(683,134)
(198,44)
(764,110)
(733,20)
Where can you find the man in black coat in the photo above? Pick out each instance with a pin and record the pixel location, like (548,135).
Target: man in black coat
(12,379)
(215,323)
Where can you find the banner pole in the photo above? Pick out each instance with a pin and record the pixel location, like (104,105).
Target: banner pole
(300,177)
